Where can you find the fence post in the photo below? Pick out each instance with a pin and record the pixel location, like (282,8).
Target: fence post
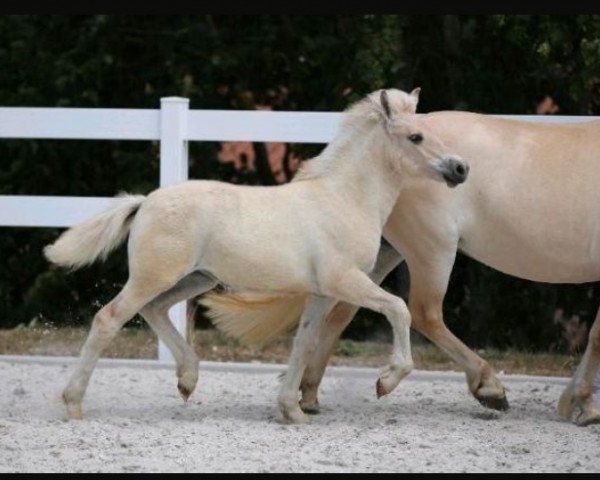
(173,169)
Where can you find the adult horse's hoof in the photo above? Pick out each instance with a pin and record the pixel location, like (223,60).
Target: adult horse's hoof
(495,403)
(309,401)
(589,416)
(312,408)
(489,391)
(570,402)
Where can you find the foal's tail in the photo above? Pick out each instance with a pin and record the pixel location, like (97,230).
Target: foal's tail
(254,318)
(96,237)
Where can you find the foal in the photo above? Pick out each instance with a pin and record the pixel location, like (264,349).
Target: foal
(318,235)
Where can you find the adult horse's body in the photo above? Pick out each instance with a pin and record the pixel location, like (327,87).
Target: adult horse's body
(531,209)
(317,236)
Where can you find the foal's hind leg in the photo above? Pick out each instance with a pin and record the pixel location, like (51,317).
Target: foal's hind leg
(579,392)
(106,324)
(156,314)
(356,287)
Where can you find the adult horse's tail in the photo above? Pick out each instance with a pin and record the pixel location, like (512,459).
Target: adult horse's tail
(95,237)
(255,319)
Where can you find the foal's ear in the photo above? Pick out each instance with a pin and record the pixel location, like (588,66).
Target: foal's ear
(385,103)
(415,93)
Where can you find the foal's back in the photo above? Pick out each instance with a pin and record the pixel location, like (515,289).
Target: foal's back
(275,238)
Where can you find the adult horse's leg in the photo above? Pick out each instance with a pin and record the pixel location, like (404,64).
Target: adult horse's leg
(425,302)
(579,393)
(387,259)
(106,324)
(156,314)
(305,341)
(429,241)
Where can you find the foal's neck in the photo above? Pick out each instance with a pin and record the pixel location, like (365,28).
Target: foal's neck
(360,173)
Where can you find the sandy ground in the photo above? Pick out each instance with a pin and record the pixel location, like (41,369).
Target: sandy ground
(136,422)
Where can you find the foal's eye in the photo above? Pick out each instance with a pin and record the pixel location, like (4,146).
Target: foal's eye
(416,138)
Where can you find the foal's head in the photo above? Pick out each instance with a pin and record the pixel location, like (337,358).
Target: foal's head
(414,148)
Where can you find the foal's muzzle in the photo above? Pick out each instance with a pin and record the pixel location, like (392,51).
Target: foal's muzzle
(454,171)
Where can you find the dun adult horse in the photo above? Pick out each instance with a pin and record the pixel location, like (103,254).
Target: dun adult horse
(317,236)
(529,209)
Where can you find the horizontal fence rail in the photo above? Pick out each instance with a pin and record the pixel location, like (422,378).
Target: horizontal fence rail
(263,126)
(49,211)
(79,123)
(173,125)
(203,125)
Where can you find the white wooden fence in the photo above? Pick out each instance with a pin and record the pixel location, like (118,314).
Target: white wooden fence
(174,125)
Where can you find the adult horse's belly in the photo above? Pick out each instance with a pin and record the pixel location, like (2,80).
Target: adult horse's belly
(531,204)
(531,258)
(536,232)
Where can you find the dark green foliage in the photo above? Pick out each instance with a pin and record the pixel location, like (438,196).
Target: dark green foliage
(491,64)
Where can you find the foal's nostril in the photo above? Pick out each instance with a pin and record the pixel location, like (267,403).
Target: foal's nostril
(460,170)
(454,171)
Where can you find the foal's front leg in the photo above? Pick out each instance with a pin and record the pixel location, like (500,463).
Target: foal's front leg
(388,258)
(305,341)
(357,288)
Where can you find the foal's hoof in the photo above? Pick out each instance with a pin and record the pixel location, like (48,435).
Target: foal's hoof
(186,384)
(495,403)
(389,379)
(184,391)
(74,411)
(291,413)
(380,390)
(566,403)
(294,416)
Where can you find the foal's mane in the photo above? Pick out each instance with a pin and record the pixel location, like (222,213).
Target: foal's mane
(356,116)
(359,115)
